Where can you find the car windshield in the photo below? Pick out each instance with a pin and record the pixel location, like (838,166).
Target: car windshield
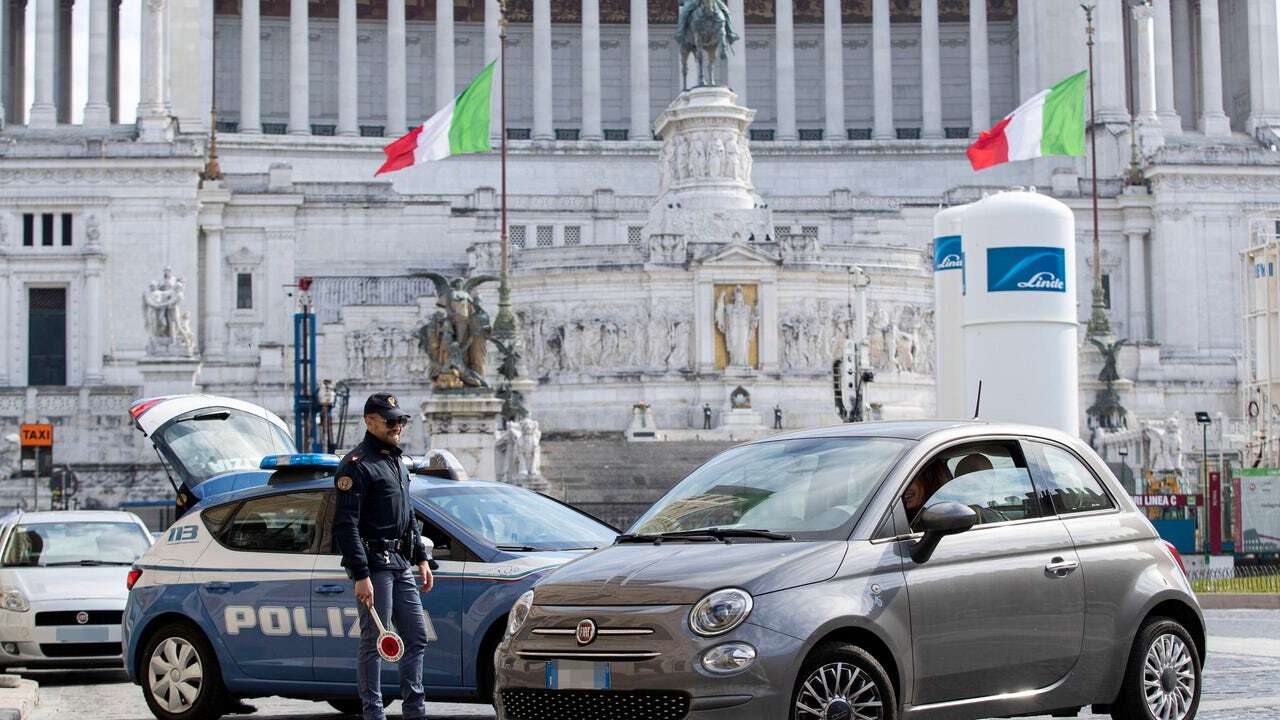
(51,544)
(808,488)
(214,441)
(516,519)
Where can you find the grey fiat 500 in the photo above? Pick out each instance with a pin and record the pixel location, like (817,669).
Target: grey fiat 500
(873,571)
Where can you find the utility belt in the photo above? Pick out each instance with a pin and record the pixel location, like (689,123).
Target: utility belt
(379,545)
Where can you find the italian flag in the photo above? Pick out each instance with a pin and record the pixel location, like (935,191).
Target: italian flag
(1051,123)
(460,127)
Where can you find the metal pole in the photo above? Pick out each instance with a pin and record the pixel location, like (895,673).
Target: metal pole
(1099,324)
(504,325)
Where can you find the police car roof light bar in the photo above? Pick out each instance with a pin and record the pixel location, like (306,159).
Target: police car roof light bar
(299,460)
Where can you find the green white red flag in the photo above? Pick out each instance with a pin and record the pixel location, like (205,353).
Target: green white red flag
(1050,123)
(460,127)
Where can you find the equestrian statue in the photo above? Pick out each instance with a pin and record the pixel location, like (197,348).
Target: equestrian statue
(704,27)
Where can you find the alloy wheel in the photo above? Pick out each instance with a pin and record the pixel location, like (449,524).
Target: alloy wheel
(175,675)
(1168,678)
(838,691)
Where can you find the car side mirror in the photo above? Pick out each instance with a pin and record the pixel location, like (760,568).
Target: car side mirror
(437,552)
(939,520)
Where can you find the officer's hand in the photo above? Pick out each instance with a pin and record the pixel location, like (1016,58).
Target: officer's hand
(428,580)
(364,592)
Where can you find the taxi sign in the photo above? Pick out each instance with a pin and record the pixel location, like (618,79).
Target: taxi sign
(36,435)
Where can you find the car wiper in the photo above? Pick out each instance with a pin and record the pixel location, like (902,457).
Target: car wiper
(712,533)
(85,563)
(207,416)
(517,548)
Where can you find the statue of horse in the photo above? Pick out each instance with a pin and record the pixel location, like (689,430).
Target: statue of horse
(708,33)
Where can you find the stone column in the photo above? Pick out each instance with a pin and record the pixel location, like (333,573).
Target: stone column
(445,89)
(299,69)
(1169,119)
(979,69)
(1148,122)
(212,324)
(1028,52)
(113,60)
(492,49)
(62,41)
(1137,268)
(930,70)
(833,64)
(348,98)
(94,301)
(250,67)
(153,108)
(1184,86)
(1213,121)
(44,112)
(208,13)
(738,54)
(97,110)
(882,72)
(640,70)
(1109,62)
(397,89)
(1264,66)
(591,129)
(542,129)
(785,66)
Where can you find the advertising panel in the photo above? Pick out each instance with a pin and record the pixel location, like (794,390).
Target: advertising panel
(1257,510)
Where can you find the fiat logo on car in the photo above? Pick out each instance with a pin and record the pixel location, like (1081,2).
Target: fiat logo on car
(586,632)
(82,617)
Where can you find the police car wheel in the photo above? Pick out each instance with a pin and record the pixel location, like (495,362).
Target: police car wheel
(180,675)
(1162,679)
(839,681)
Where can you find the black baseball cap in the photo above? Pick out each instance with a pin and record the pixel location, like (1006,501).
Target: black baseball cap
(385,405)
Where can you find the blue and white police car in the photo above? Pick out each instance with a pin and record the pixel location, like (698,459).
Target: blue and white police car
(244,595)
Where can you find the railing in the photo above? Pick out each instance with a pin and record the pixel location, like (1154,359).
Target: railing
(1240,579)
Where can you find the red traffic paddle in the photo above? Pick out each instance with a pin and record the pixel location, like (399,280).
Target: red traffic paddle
(390,646)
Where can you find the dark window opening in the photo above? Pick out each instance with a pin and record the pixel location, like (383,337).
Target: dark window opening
(274,128)
(47,336)
(372,130)
(1106,290)
(226,126)
(957,133)
(810,133)
(762,135)
(325,130)
(66,228)
(567,133)
(519,133)
(244,291)
(46,229)
(859,133)
(908,133)
(28,229)
(611,134)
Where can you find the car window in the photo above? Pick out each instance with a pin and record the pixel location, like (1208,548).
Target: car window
(215,518)
(50,544)
(990,477)
(275,523)
(443,544)
(211,442)
(510,517)
(1069,485)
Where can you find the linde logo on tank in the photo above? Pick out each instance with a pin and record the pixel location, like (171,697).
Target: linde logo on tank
(1026,269)
(947,254)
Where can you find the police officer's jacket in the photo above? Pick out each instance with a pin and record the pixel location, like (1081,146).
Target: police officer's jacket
(373,521)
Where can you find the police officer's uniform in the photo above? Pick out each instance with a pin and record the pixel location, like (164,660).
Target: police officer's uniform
(376,532)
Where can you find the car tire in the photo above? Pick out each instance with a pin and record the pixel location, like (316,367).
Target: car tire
(1162,678)
(180,676)
(854,679)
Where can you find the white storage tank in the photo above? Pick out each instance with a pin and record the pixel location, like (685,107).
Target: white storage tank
(948,290)
(1019,310)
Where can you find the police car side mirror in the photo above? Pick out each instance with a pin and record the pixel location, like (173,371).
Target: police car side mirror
(938,521)
(439,463)
(436,552)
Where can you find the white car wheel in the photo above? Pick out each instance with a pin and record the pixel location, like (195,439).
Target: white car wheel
(180,675)
(175,675)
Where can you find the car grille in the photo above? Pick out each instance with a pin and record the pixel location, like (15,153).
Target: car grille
(69,650)
(68,617)
(537,704)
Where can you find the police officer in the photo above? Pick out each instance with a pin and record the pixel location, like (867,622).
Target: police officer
(375,529)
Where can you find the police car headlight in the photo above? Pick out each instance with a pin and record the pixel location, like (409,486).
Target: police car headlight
(519,613)
(720,612)
(728,658)
(14,600)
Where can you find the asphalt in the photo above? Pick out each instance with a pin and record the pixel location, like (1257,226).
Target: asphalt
(1239,683)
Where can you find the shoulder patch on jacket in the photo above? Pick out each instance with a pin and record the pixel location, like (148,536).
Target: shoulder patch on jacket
(344,483)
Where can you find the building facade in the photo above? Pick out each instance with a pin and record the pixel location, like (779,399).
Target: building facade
(123,274)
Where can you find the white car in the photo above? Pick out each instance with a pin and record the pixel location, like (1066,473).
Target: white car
(63,586)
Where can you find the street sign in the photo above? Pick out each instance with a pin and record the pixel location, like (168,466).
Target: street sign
(1215,512)
(1166,501)
(36,435)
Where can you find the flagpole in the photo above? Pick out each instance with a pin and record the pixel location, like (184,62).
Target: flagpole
(1099,324)
(504,325)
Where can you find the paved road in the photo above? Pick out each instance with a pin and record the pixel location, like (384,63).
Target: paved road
(1239,682)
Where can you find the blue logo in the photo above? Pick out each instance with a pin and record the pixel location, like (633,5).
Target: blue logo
(947,254)
(1026,269)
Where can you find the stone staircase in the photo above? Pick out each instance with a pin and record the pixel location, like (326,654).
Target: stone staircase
(616,480)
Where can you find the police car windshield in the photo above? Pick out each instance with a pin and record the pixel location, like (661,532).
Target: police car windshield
(215,441)
(512,517)
(811,489)
(75,543)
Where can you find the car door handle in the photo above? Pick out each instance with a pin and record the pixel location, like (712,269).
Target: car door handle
(217,587)
(330,589)
(1059,567)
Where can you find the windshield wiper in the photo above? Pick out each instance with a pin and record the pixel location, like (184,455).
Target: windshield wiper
(207,416)
(517,548)
(86,563)
(713,533)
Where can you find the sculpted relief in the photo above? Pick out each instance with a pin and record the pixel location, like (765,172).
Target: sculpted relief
(900,336)
(605,337)
(384,352)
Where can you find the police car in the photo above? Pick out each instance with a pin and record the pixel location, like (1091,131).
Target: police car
(244,595)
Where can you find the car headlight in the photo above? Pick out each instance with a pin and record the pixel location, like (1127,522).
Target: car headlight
(720,612)
(14,600)
(519,613)
(728,658)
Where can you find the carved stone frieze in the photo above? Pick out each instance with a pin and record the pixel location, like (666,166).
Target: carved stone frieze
(901,337)
(606,338)
(384,352)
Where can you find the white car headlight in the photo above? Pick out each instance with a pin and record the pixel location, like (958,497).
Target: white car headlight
(519,613)
(12,599)
(720,612)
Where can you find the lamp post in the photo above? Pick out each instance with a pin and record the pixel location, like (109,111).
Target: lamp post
(1124,470)
(1099,323)
(1204,419)
(504,324)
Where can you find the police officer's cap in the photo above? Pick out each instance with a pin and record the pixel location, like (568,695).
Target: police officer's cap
(386,405)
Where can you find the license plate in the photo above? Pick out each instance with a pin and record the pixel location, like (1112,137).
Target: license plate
(82,634)
(578,675)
